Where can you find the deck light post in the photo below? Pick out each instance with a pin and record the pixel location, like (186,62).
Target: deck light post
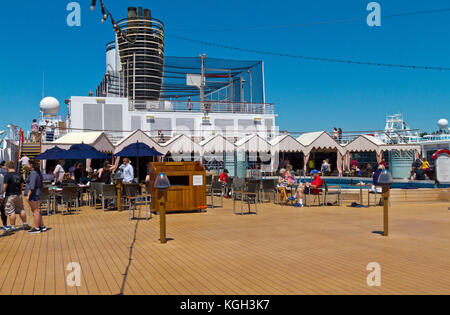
(385,180)
(162,183)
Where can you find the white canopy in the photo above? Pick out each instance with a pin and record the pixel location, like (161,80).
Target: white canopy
(253,143)
(217,144)
(365,143)
(98,140)
(286,143)
(319,140)
(138,136)
(181,144)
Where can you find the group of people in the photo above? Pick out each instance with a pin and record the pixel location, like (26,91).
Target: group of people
(47,129)
(286,181)
(337,134)
(421,169)
(11,198)
(77,174)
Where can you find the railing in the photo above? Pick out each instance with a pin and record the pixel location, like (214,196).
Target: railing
(205,107)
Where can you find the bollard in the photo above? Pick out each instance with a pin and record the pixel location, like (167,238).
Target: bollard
(386,209)
(162,215)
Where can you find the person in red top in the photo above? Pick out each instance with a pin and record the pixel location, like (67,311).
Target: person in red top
(224,176)
(315,188)
(223,179)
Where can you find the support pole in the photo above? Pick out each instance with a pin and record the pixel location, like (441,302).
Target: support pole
(386,209)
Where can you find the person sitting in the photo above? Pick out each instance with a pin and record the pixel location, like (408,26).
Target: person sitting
(419,174)
(309,188)
(283,184)
(425,164)
(376,175)
(325,168)
(369,169)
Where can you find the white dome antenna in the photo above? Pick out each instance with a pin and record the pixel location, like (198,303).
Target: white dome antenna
(49,107)
(443,125)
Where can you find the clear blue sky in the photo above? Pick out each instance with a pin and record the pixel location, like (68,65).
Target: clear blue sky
(309,96)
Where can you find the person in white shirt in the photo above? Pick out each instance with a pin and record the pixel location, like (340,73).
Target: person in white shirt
(59,172)
(128,171)
(25,160)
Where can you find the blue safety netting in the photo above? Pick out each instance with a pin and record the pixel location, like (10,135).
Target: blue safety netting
(226,80)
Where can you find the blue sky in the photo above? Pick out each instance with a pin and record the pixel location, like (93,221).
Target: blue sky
(308,96)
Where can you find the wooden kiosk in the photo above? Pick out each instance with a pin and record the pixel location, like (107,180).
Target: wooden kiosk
(188,186)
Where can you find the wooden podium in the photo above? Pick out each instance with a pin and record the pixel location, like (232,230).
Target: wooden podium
(188,186)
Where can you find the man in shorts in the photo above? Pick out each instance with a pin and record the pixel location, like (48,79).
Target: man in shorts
(12,185)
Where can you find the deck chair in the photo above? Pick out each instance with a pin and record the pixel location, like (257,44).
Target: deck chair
(69,196)
(136,198)
(269,186)
(332,191)
(249,196)
(108,192)
(217,189)
(46,199)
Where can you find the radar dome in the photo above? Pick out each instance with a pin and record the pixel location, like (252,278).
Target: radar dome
(443,124)
(49,106)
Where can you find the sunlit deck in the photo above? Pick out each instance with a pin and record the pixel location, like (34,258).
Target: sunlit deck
(283,250)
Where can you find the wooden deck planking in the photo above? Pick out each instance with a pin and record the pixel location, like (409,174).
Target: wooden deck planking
(283,250)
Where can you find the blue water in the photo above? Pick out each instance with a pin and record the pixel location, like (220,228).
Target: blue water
(345,183)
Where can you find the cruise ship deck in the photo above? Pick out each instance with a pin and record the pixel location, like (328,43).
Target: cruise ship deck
(282,250)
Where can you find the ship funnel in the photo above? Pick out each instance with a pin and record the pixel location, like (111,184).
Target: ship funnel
(147,14)
(132,13)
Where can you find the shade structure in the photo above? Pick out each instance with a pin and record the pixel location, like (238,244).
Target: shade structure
(83,152)
(138,149)
(51,154)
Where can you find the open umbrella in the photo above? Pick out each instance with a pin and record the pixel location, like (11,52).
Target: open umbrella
(83,152)
(51,154)
(138,150)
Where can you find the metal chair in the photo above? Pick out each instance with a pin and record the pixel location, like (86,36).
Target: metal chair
(68,196)
(108,192)
(217,189)
(249,196)
(238,185)
(321,193)
(95,190)
(336,191)
(46,198)
(269,186)
(134,196)
(375,193)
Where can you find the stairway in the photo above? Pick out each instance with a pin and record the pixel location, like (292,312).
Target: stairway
(31,150)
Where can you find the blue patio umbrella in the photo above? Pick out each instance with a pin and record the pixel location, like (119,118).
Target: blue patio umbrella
(83,152)
(138,150)
(51,154)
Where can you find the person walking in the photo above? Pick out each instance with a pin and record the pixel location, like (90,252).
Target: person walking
(2,206)
(12,185)
(35,131)
(33,191)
